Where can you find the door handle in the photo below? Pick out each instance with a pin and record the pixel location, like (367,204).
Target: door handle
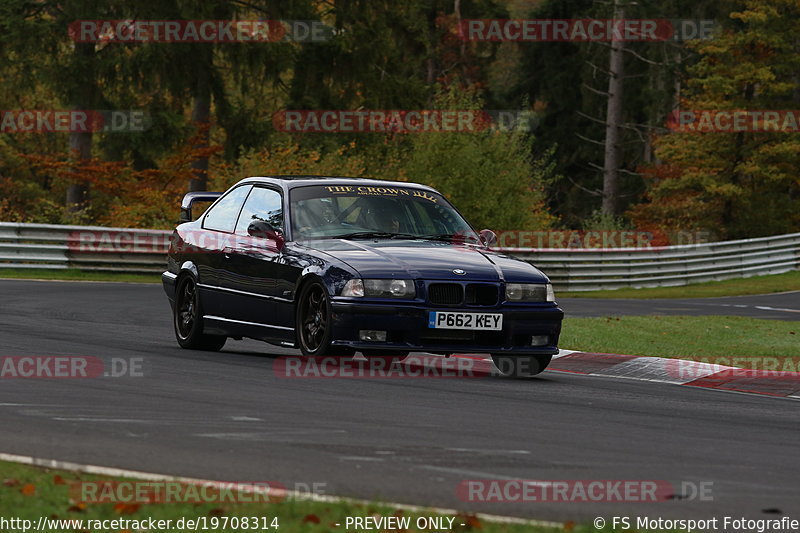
(226,253)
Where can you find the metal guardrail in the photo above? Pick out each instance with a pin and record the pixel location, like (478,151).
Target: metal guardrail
(139,250)
(83,247)
(588,269)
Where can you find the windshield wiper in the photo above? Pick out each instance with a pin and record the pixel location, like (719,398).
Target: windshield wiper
(375,235)
(446,237)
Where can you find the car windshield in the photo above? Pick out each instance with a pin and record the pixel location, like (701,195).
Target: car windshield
(366,211)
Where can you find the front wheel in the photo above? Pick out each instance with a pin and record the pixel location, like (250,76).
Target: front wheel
(521,366)
(313,322)
(188,319)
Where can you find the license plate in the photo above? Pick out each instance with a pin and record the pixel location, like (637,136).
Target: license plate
(476,321)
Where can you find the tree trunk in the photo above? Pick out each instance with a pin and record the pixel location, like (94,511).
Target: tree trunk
(80,145)
(463,46)
(613,122)
(201,112)
(80,142)
(676,105)
(433,42)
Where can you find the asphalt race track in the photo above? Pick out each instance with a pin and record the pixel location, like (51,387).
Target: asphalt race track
(227,416)
(782,306)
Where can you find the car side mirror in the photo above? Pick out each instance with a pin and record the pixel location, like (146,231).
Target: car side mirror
(488,237)
(264,230)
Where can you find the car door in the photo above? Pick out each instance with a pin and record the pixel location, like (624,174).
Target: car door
(212,244)
(252,266)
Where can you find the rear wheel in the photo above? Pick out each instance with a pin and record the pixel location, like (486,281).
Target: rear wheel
(188,319)
(521,366)
(314,322)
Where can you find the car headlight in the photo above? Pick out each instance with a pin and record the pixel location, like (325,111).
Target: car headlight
(530,292)
(380,288)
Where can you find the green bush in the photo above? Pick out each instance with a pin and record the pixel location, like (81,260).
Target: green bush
(489,175)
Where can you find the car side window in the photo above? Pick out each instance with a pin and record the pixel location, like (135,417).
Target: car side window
(222,215)
(262,204)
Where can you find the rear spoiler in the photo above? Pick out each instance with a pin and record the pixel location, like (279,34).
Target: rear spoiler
(192,197)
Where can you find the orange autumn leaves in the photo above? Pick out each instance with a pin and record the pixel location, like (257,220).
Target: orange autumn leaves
(123,196)
(27,489)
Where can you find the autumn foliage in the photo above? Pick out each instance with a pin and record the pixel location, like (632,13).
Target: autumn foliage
(121,196)
(738,183)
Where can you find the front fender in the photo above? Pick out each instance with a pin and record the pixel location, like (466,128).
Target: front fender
(190,267)
(332,276)
(169,279)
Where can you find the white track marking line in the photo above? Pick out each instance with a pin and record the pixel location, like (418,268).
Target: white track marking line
(759,307)
(303,496)
(31,405)
(260,435)
(483,475)
(112,420)
(84,281)
(783,309)
(489,451)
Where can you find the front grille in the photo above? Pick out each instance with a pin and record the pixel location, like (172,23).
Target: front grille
(481,294)
(445,293)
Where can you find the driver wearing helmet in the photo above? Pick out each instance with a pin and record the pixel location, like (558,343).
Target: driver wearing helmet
(384,218)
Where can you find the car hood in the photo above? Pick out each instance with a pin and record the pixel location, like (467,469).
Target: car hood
(420,259)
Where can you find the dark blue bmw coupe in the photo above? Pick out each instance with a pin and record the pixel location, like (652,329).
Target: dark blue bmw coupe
(333,266)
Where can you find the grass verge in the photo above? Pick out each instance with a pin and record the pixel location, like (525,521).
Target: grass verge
(726,340)
(29,492)
(789,281)
(71,274)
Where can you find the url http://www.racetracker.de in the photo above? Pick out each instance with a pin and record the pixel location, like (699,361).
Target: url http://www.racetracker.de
(200,523)
(43,524)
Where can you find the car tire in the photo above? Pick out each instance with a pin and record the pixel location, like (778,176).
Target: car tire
(521,366)
(188,319)
(313,322)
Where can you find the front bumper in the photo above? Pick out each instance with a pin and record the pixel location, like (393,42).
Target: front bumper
(406,324)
